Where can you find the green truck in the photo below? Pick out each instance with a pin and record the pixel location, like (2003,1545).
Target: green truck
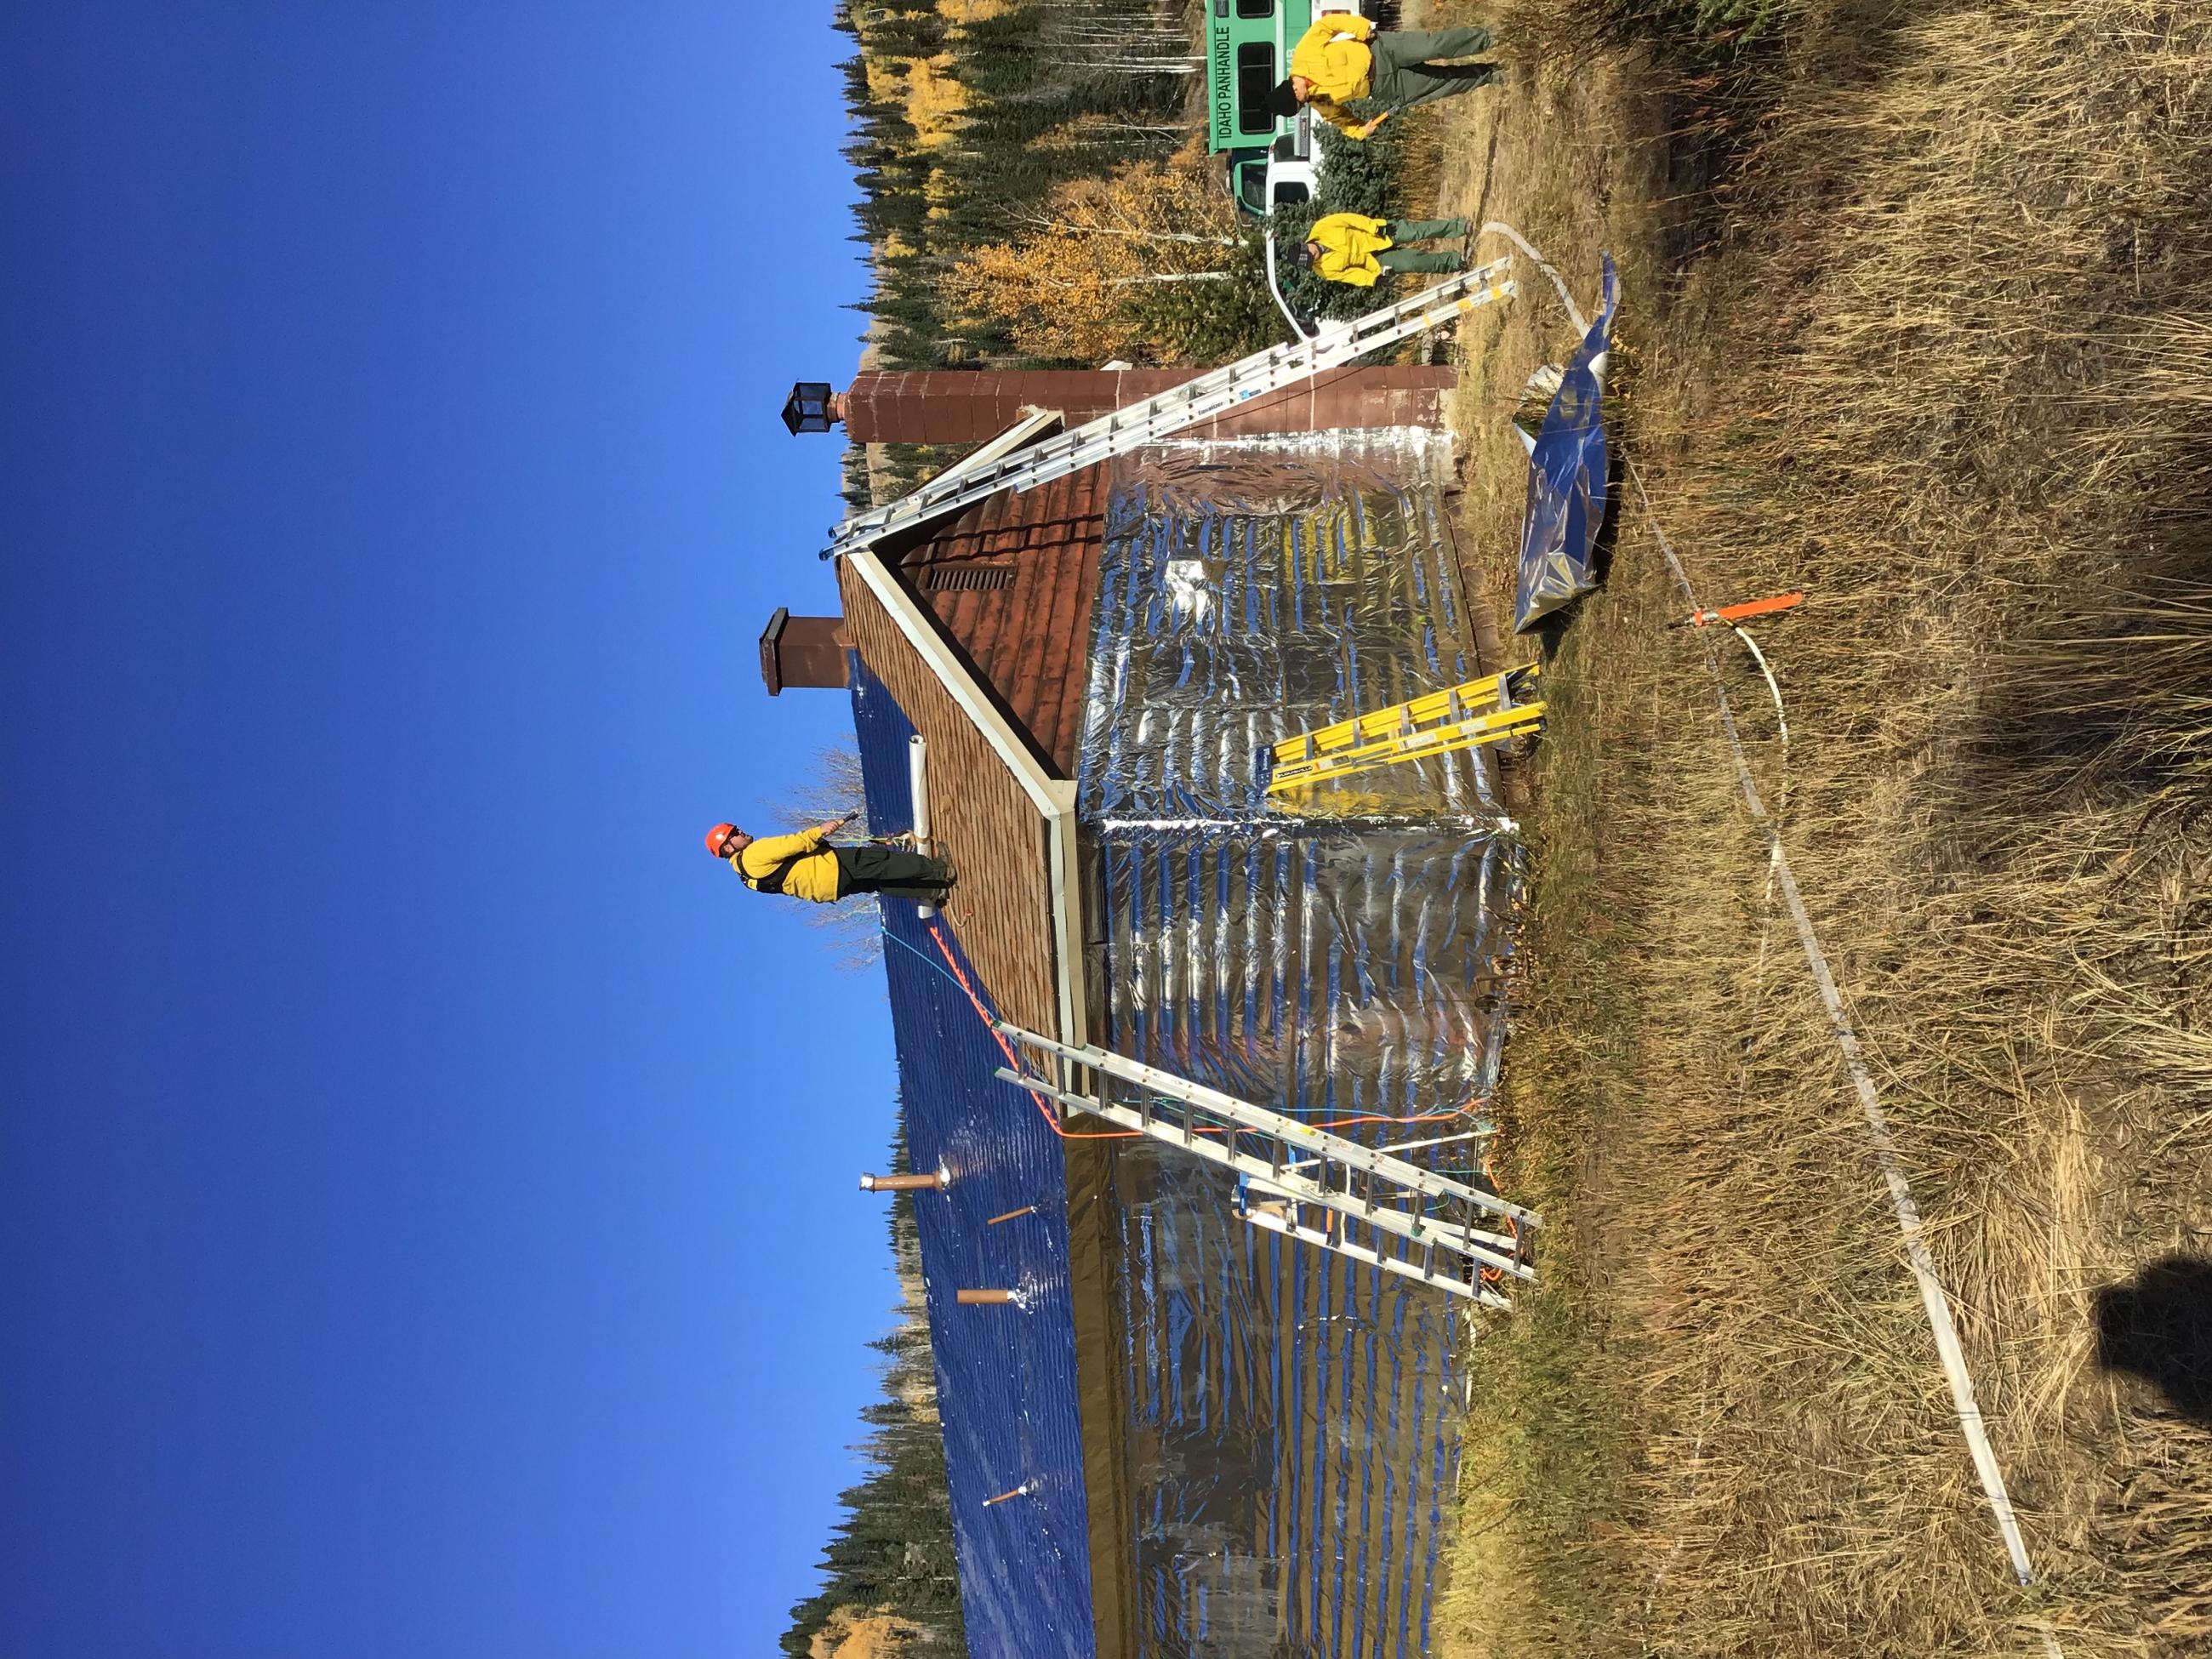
(1271,159)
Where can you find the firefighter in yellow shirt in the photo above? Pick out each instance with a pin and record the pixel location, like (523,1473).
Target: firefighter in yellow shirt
(1351,247)
(1342,57)
(809,865)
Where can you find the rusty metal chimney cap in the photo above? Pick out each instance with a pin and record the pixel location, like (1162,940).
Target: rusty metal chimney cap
(771,657)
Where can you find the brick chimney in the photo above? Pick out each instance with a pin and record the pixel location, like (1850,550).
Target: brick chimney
(962,407)
(970,406)
(804,651)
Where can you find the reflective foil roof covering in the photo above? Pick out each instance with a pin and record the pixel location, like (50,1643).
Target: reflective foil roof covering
(1291,1430)
(1005,1375)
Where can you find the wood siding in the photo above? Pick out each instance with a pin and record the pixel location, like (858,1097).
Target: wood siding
(984,821)
(970,406)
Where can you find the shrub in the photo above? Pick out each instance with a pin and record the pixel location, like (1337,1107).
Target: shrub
(1356,176)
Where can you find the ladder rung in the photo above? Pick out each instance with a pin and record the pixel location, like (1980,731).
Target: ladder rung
(1473,695)
(1498,1251)
(1473,1288)
(1435,723)
(1528,718)
(1317,1143)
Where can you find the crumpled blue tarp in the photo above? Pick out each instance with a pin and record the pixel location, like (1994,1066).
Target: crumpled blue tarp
(1567,480)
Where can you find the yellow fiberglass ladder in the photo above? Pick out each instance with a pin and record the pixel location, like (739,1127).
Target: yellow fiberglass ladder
(1438,723)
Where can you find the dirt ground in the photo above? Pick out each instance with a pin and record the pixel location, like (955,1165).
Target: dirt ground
(1909,323)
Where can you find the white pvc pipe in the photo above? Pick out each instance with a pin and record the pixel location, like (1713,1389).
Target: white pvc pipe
(917,783)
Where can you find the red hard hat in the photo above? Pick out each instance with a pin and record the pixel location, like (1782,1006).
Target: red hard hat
(719,838)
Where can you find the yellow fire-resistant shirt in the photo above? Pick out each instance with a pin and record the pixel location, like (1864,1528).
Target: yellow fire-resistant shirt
(1338,69)
(1349,243)
(810,869)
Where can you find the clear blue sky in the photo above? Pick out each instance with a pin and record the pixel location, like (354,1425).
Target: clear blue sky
(427,1209)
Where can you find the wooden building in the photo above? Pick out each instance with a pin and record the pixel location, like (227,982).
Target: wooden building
(980,628)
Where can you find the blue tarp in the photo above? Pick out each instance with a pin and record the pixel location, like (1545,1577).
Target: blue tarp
(1005,1375)
(1567,480)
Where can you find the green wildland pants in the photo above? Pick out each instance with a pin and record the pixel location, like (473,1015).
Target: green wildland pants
(1405,71)
(1420,230)
(871,869)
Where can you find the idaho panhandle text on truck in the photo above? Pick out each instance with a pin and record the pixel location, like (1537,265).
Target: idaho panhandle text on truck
(1271,159)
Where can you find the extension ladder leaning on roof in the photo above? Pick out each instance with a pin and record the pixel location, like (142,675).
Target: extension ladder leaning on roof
(1200,398)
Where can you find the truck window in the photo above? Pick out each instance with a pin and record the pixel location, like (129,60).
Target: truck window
(1255,8)
(1252,188)
(1255,79)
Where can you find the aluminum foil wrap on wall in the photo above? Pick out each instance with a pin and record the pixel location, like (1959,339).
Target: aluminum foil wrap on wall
(1291,1430)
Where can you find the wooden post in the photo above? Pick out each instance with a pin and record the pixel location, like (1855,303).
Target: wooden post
(982,1298)
(934,1181)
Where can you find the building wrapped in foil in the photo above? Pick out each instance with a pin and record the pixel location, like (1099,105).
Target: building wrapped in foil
(1186,1435)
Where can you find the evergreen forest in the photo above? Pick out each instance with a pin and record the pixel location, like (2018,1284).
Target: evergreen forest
(889,1584)
(967,113)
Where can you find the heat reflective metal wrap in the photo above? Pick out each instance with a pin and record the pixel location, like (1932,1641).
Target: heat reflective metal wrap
(1248,589)
(1291,1431)
(1007,1393)
(1567,479)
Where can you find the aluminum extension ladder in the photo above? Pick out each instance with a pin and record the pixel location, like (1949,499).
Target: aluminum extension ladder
(1214,392)
(1374,1208)
(1465,716)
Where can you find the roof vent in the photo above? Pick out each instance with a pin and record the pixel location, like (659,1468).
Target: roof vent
(966,578)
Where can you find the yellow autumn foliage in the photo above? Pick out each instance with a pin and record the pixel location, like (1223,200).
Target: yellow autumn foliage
(852,1633)
(1089,131)
(886,79)
(926,90)
(1067,287)
(935,100)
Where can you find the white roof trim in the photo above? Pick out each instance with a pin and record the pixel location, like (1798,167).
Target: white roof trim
(1054,797)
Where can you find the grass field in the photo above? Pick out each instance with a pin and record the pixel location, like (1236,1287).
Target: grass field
(1913,323)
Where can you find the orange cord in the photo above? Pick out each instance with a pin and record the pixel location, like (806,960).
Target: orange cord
(1007,1049)
(1492,1275)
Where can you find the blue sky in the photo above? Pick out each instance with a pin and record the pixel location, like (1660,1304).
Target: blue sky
(426,1180)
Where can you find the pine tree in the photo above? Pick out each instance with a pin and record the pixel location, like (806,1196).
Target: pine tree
(930,198)
(892,1553)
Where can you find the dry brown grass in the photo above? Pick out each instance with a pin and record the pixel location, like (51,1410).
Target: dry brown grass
(1942,375)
